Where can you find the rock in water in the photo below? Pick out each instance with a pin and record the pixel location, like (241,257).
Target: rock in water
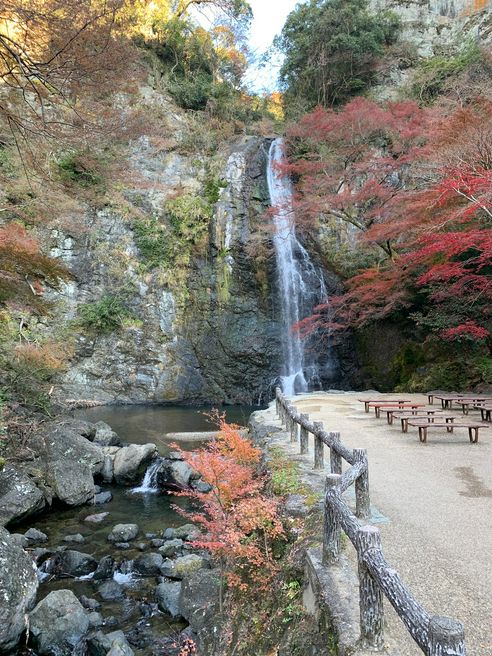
(100,644)
(123,533)
(18,587)
(105,435)
(19,497)
(74,563)
(96,519)
(35,537)
(78,538)
(103,497)
(72,482)
(171,547)
(111,591)
(174,474)
(58,623)
(130,460)
(167,597)
(149,565)
(105,569)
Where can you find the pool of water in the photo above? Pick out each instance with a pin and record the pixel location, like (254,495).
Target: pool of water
(141,424)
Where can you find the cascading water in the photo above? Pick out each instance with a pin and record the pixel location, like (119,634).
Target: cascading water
(301,287)
(149,483)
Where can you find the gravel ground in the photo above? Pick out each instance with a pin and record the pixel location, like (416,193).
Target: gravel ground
(433,505)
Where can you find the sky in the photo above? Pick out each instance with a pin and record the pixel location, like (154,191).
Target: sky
(268,19)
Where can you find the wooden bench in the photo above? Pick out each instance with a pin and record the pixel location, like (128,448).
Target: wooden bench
(431,419)
(401,406)
(393,414)
(472,403)
(369,402)
(423,428)
(486,411)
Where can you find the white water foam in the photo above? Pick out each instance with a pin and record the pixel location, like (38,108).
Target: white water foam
(149,483)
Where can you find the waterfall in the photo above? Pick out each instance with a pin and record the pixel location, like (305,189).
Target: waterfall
(149,483)
(301,286)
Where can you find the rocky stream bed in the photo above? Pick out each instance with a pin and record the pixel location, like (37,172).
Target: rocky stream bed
(95,558)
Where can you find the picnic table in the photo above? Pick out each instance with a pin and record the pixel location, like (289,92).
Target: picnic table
(369,402)
(423,428)
(401,406)
(393,414)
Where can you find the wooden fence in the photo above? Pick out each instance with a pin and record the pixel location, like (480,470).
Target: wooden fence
(435,635)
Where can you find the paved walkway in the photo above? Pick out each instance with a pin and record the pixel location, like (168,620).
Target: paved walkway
(433,505)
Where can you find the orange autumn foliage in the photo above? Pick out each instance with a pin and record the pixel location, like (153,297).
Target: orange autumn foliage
(238,519)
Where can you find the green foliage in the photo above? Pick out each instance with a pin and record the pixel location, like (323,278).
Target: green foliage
(153,242)
(189,217)
(212,188)
(79,168)
(331,48)
(432,74)
(105,315)
(285,477)
(7,167)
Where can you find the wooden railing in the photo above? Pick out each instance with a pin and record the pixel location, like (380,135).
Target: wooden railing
(435,635)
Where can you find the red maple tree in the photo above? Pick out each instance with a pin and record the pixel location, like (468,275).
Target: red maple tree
(419,185)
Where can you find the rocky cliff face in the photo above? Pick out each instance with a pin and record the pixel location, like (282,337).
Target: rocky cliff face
(203,331)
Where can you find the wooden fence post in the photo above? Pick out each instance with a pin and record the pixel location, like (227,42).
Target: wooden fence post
(370,594)
(319,461)
(335,457)
(294,429)
(446,637)
(331,525)
(362,498)
(304,436)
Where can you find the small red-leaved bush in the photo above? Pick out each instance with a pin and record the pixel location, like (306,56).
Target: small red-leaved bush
(238,519)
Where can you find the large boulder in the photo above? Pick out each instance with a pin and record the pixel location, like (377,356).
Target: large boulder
(63,443)
(199,605)
(79,426)
(105,435)
(18,587)
(57,624)
(167,595)
(66,464)
(130,461)
(174,474)
(19,496)
(184,566)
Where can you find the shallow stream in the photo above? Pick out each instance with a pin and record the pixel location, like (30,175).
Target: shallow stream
(137,614)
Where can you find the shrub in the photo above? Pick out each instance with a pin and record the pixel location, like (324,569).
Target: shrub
(79,168)
(189,217)
(29,370)
(153,242)
(432,74)
(105,315)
